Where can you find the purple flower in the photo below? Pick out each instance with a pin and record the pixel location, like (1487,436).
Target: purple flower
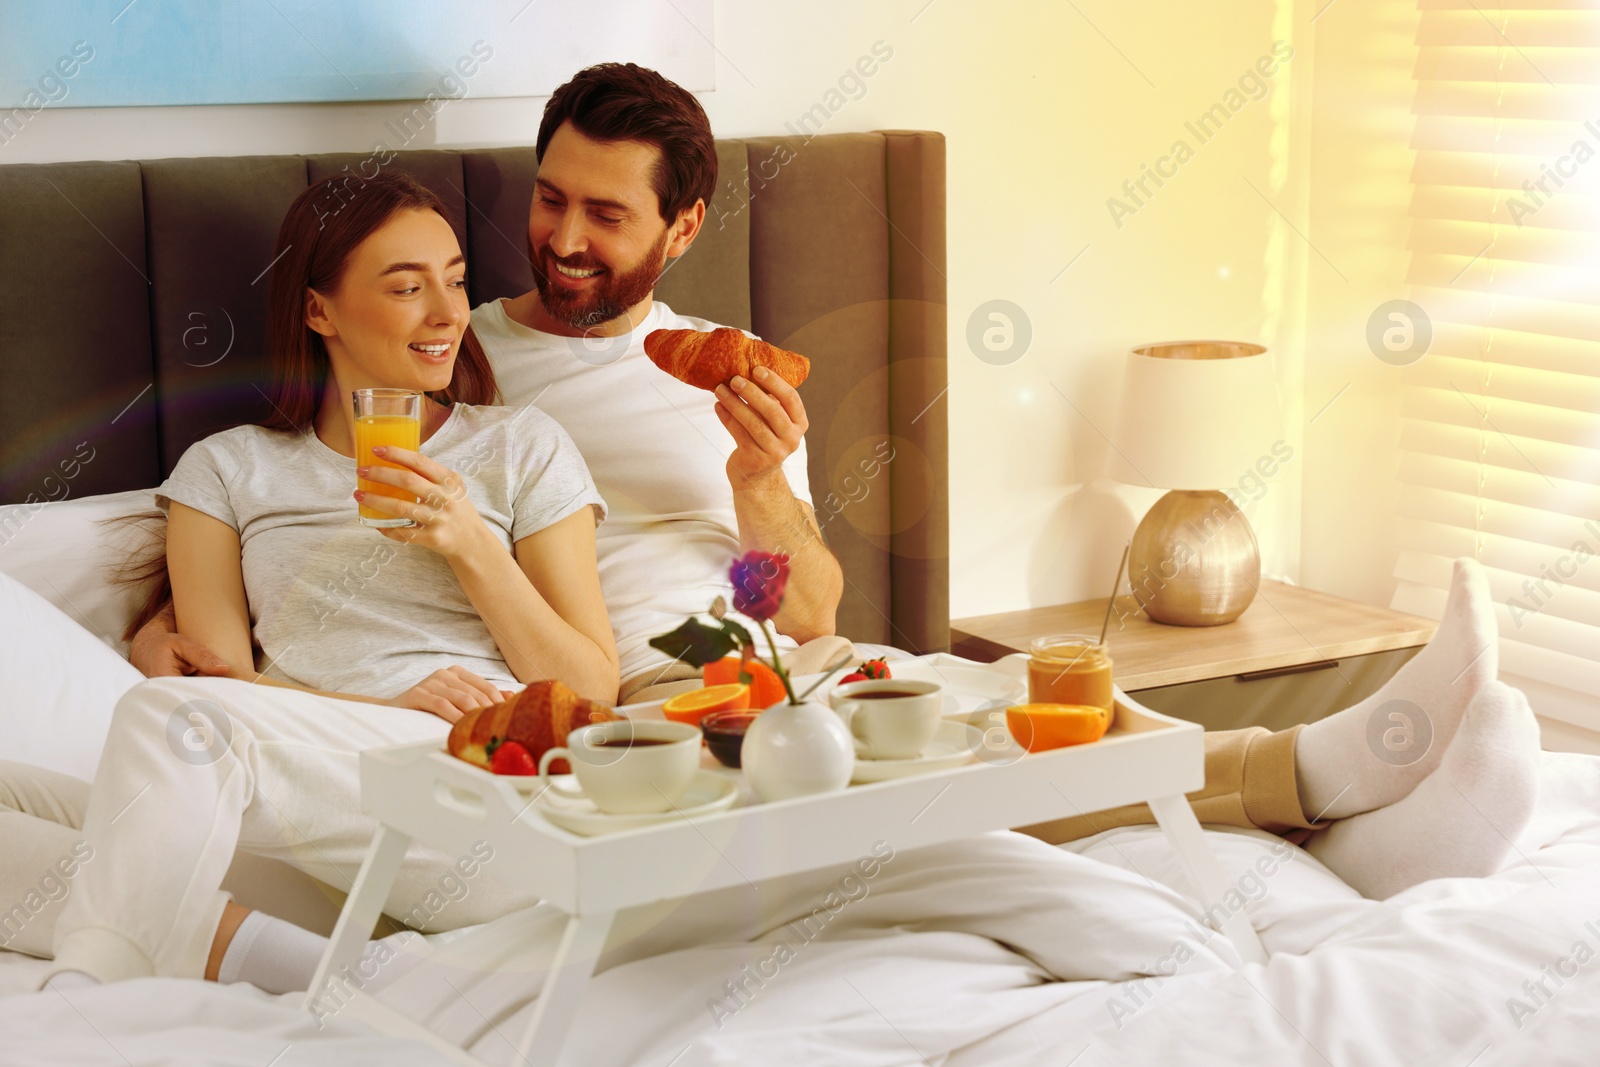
(758,582)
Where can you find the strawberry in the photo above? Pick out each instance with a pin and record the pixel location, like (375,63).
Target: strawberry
(871,670)
(511,758)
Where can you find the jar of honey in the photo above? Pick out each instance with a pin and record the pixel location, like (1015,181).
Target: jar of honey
(1070,669)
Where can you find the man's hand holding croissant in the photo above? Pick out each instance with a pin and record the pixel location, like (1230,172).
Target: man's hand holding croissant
(767,420)
(756,385)
(757,402)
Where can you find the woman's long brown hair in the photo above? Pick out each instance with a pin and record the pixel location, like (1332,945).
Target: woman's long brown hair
(320,231)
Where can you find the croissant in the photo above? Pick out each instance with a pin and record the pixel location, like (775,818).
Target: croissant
(539,718)
(706,360)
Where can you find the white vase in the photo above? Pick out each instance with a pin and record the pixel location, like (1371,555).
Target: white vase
(794,750)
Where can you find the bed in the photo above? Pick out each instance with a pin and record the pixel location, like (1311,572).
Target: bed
(1446,973)
(838,252)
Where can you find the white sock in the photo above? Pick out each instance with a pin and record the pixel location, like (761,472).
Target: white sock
(1460,822)
(272,955)
(1373,754)
(280,957)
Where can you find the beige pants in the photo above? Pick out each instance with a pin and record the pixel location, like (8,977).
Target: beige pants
(1250,781)
(41,838)
(195,769)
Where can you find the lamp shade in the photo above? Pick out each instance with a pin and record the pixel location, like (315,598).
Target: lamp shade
(1195,414)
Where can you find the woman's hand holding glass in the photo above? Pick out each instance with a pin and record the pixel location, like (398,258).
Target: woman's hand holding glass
(446,520)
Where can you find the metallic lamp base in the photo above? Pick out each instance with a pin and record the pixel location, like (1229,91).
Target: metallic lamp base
(1194,560)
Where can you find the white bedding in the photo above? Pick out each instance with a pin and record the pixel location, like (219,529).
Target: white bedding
(998,951)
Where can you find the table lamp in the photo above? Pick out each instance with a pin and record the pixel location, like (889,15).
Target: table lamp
(1196,417)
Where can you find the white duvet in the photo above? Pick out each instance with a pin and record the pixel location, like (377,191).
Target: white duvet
(997,951)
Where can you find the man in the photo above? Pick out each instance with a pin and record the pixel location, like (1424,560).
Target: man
(627,165)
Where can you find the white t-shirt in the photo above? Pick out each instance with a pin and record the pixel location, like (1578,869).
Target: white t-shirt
(335,605)
(658,455)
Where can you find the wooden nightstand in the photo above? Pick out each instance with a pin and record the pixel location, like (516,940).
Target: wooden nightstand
(1295,655)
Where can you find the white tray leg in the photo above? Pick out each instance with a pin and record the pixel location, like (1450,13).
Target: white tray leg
(1200,864)
(361,909)
(574,962)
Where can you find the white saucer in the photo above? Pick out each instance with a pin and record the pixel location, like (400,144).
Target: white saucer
(996,745)
(953,745)
(966,689)
(707,792)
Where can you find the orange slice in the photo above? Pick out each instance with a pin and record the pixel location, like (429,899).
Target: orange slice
(691,707)
(1041,727)
(766,688)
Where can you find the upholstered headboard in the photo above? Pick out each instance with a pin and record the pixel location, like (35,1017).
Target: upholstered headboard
(137,303)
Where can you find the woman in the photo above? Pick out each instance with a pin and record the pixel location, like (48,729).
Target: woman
(360,642)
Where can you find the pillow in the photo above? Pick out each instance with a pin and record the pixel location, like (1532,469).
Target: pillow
(64,552)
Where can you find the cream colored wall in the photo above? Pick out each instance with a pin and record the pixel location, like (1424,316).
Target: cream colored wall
(1048,108)
(1360,181)
(1047,112)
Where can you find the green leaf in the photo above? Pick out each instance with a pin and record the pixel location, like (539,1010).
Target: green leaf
(740,636)
(697,644)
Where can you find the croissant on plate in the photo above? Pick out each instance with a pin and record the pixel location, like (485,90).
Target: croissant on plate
(539,718)
(707,360)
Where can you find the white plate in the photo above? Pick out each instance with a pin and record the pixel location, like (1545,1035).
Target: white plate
(953,745)
(707,792)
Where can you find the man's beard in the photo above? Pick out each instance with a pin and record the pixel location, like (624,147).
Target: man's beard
(612,293)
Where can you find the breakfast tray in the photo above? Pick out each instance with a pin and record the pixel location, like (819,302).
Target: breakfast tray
(420,793)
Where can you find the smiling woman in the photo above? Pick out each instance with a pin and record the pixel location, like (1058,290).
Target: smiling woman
(494,585)
(374,297)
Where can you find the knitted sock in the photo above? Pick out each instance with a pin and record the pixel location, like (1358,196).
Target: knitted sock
(1374,753)
(1461,821)
(280,957)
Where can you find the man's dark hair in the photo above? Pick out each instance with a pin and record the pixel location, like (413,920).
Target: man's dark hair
(627,102)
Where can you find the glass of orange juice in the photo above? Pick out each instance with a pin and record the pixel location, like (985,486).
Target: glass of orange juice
(1070,669)
(385,417)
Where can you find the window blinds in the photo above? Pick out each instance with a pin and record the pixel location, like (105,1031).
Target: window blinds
(1500,420)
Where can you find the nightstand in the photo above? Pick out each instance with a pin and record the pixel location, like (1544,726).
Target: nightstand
(1295,655)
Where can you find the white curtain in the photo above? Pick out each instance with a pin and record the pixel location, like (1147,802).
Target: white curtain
(1500,426)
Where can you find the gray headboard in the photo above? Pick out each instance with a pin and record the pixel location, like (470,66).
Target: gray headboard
(137,304)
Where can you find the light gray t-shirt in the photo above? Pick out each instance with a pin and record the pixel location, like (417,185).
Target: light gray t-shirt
(339,607)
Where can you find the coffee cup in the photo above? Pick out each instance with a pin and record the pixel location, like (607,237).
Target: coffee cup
(627,767)
(890,719)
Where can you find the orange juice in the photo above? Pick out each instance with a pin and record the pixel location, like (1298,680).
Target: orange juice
(400,431)
(1070,669)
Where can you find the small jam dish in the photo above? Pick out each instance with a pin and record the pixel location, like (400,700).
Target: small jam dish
(724,732)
